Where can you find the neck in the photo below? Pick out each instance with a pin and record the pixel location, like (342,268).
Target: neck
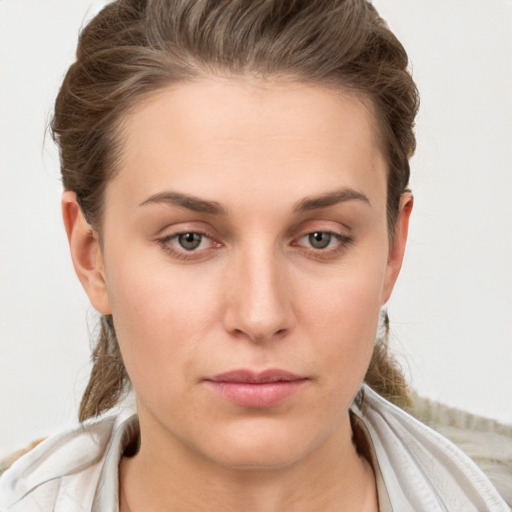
(333,477)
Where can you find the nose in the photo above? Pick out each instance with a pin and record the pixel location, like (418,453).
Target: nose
(259,306)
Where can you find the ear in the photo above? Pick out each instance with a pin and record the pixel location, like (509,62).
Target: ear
(397,249)
(85,253)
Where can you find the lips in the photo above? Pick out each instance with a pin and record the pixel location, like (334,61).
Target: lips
(247,388)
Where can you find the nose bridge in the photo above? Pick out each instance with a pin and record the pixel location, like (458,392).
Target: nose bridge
(259,306)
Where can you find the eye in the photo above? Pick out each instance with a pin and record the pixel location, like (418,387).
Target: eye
(189,241)
(320,239)
(323,244)
(189,244)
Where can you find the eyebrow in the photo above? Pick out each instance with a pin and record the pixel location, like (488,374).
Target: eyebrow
(329,199)
(197,204)
(185,201)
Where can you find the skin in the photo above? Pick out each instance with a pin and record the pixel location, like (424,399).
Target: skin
(255,294)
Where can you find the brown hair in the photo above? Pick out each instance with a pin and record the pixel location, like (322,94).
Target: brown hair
(133,48)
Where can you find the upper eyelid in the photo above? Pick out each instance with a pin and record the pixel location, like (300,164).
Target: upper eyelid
(184,232)
(308,231)
(207,234)
(167,243)
(174,229)
(338,236)
(225,231)
(342,233)
(310,225)
(294,233)
(174,236)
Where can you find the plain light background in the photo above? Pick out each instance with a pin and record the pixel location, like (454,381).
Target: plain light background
(451,312)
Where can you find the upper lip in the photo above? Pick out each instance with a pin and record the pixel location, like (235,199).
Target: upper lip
(255,377)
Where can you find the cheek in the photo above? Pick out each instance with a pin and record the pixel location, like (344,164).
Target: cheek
(161,316)
(342,316)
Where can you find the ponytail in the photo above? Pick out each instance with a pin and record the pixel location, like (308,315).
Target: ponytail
(384,374)
(108,380)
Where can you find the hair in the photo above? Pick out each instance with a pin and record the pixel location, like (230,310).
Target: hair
(134,48)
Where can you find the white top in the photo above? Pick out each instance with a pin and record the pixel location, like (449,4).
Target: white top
(416,468)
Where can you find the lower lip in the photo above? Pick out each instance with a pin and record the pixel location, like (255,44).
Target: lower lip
(256,395)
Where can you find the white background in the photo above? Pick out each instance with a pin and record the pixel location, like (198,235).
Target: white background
(451,312)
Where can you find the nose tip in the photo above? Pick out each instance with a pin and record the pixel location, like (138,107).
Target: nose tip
(259,334)
(259,307)
(259,328)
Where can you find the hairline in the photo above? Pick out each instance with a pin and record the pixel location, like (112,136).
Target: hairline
(138,100)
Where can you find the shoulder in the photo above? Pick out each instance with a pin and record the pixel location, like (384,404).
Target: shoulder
(6,463)
(62,472)
(421,469)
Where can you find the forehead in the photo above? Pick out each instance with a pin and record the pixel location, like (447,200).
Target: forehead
(207,135)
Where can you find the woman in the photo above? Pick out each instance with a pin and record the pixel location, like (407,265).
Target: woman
(237,208)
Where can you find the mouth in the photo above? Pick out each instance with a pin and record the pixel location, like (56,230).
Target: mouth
(258,390)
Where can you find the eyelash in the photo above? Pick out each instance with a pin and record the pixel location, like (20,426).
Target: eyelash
(342,242)
(183,254)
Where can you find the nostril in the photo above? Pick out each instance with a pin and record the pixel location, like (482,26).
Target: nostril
(259,338)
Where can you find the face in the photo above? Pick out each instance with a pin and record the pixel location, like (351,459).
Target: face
(245,257)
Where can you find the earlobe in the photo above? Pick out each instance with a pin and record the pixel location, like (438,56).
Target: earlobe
(397,249)
(85,253)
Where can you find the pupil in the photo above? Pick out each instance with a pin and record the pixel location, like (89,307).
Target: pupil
(319,240)
(189,241)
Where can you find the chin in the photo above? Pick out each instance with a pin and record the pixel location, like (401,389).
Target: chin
(257,458)
(267,447)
